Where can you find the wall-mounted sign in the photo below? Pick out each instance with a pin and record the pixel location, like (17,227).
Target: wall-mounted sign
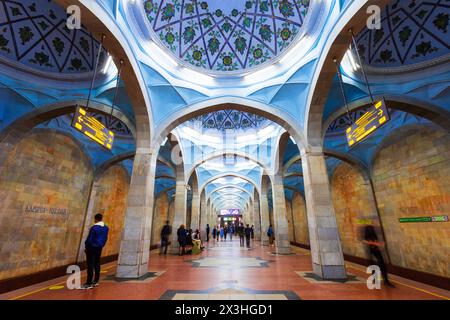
(41,209)
(424,219)
(364,221)
(375,117)
(93,128)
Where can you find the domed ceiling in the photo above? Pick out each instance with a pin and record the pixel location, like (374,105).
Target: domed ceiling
(226,35)
(412,31)
(34,33)
(229,119)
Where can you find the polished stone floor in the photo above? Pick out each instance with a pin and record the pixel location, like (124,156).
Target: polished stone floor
(226,271)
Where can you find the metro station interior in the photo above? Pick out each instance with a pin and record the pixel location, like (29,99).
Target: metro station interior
(224,112)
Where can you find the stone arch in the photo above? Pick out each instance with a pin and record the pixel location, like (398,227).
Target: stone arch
(331,153)
(231,186)
(19,128)
(242,104)
(423,109)
(220,153)
(228,174)
(227,194)
(337,45)
(116,44)
(53,110)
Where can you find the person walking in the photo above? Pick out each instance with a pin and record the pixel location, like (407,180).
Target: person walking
(95,241)
(225,232)
(165,233)
(248,234)
(253,232)
(221,233)
(207,232)
(375,246)
(241,232)
(230,231)
(271,236)
(214,233)
(182,236)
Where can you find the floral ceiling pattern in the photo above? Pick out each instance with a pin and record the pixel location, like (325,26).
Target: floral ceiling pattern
(412,31)
(34,33)
(226,35)
(229,120)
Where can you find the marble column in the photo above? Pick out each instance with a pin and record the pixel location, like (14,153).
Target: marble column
(326,250)
(264,208)
(281,228)
(195,209)
(179,207)
(256,217)
(136,235)
(204,219)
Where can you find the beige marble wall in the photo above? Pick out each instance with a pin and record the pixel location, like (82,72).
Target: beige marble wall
(45,169)
(353,201)
(300,219)
(411,176)
(111,201)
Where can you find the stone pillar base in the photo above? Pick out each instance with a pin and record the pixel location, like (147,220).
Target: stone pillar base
(327,272)
(283,250)
(131,271)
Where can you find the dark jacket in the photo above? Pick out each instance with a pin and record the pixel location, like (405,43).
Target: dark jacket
(248,232)
(181,233)
(98,235)
(166,231)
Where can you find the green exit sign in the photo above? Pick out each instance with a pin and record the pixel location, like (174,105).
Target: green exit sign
(424,219)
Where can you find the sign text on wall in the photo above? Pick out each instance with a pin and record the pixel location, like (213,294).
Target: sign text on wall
(40,209)
(424,219)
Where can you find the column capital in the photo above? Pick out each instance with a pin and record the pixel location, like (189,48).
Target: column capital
(311,151)
(144,151)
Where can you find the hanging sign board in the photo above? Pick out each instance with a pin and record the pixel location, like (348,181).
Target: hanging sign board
(229,212)
(424,219)
(93,128)
(375,117)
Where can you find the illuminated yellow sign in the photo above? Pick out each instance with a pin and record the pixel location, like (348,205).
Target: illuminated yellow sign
(374,118)
(93,128)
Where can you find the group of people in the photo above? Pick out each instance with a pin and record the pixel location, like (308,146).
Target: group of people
(98,236)
(189,241)
(220,233)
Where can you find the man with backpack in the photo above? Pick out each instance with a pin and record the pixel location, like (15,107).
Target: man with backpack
(96,240)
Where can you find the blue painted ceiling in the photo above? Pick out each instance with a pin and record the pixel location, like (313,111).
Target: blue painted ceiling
(229,119)
(412,31)
(226,35)
(34,33)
